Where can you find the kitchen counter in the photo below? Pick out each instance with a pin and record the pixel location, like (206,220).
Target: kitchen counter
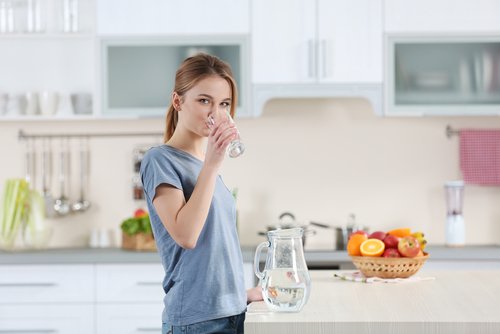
(454,302)
(314,258)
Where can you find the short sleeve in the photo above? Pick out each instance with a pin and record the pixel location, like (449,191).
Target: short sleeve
(158,168)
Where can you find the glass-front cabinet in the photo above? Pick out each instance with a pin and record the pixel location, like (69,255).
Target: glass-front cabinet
(442,75)
(138,73)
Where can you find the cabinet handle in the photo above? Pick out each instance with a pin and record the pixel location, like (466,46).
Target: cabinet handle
(149,329)
(149,283)
(324,72)
(311,58)
(28,331)
(26,285)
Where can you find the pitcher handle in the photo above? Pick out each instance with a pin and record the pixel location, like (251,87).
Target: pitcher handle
(256,259)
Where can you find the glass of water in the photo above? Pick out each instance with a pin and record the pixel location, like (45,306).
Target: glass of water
(236,147)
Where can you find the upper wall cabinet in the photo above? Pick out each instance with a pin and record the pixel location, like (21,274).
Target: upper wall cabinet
(442,16)
(447,75)
(126,17)
(321,41)
(320,48)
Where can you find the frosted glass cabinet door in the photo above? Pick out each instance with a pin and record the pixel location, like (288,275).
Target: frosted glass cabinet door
(172,17)
(443,75)
(138,73)
(350,41)
(283,41)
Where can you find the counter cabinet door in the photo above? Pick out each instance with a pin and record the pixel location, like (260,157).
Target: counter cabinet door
(129,283)
(47,319)
(129,318)
(46,283)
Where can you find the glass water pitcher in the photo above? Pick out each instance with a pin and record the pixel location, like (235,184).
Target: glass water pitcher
(285,281)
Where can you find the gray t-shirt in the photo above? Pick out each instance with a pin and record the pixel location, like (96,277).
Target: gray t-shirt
(206,282)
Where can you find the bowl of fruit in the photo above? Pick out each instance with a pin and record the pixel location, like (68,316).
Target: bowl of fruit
(398,253)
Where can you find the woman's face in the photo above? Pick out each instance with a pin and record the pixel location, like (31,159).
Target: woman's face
(209,95)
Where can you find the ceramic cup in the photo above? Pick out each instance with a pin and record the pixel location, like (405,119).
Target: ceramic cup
(16,104)
(31,107)
(48,102)
(4,98)
(82,103)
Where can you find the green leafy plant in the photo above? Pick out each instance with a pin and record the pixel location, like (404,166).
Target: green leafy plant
(139,223)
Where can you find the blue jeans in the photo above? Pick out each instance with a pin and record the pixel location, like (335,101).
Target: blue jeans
(230,325)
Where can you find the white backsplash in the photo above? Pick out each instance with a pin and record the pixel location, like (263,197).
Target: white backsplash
(320,159)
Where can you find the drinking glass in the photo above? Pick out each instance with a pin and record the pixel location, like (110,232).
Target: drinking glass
(236,147)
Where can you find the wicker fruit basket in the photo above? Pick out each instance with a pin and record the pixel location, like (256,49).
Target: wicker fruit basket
(384,267)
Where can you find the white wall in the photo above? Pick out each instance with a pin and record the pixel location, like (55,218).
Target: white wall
(320,159)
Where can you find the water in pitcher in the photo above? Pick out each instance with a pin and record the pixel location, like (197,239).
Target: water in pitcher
(285,290)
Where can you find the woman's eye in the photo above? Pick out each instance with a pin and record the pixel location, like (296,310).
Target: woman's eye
(225,104)
(204,101)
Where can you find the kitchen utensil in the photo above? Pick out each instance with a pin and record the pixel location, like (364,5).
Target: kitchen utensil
(47,178)
(30,163)
(342,233)
(61,205)
(287,221)
(455,227)
(83,204)
(285,281)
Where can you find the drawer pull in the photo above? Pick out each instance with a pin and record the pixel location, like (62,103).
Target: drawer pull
(149,283)
(28,285)
(28,331)
(149,329)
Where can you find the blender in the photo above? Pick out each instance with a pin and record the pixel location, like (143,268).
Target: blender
(455,228)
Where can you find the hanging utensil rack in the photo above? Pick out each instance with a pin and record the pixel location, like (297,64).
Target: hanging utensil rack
(24,136)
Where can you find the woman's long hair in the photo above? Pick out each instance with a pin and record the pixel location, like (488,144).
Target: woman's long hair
(191,71)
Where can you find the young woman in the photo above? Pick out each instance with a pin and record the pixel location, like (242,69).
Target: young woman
(192,212)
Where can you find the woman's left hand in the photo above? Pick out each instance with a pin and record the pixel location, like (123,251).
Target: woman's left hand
(254,295)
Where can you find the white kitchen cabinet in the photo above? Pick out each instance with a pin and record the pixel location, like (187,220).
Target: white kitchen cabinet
(47,319)
(133,318)
(50,60)
(317,41)
(46,284)
(442,16)
(154,17)
(129,283)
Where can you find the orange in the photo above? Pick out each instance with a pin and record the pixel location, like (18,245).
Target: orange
(372,247)
(400,232)
(354,243)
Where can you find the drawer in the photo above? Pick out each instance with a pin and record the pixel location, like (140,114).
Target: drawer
(47,319)
(129,283)
(46,283)
(129,319)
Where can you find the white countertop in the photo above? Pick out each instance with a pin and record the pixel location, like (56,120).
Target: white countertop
(454,302)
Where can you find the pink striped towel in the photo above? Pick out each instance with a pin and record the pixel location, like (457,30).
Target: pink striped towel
(480,156)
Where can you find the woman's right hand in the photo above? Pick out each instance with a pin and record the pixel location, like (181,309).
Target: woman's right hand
(221,135)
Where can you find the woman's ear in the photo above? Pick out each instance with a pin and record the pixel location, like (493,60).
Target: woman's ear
(176,101)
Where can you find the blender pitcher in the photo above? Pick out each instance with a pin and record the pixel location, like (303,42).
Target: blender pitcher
(285,281)
(455,227)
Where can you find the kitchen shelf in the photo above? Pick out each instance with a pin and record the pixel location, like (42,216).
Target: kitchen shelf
(46,36)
